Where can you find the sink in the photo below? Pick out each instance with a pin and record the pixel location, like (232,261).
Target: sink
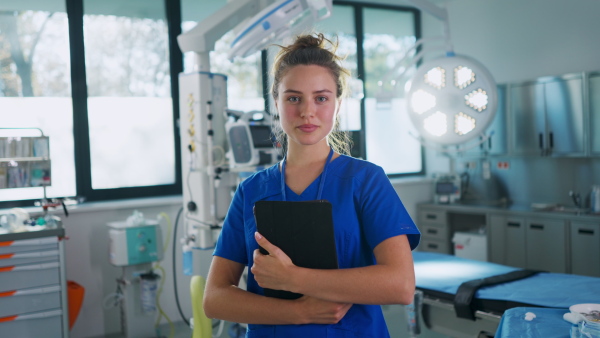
(569,210)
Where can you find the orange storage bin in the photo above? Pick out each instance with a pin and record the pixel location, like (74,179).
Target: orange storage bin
(75,293)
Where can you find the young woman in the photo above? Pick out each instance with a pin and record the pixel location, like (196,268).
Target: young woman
(374,233)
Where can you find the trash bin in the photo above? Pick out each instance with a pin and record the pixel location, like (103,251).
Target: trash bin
(471,245)
(75,294)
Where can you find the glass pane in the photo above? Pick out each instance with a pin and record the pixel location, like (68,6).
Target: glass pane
(390,136)
(35,92)
(130,108)
(244,81)
(340,27)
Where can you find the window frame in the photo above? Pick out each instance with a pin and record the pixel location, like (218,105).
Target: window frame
(359,7)
(79,96)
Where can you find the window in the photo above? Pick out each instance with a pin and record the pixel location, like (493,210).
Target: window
(375,38)
(106,107)
(35,88)
(388,129)
(130,110)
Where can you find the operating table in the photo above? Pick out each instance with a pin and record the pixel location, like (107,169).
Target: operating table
(466,298)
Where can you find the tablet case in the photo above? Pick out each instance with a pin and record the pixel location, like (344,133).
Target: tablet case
(303,230)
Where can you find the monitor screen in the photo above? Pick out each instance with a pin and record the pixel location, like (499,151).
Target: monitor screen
(261,136)
(444,188)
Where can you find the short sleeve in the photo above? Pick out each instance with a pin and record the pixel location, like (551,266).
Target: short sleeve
(382,213)
(231,243)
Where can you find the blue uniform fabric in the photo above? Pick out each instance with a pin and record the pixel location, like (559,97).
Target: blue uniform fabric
(366,211)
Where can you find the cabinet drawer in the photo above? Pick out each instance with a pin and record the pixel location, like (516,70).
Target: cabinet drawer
(434,232)
(29,300)
(47,324)
(29,276)
(430,245)
(23,245)
(432,217)
(29,257)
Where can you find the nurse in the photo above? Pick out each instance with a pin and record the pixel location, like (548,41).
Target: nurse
(374,233)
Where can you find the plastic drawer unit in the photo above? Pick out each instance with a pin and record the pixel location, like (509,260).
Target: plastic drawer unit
(32,287)
(47,324)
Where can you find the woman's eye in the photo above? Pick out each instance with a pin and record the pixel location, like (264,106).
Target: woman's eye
(293,99)
(322,98)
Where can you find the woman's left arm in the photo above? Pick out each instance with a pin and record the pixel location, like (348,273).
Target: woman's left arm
(390,281)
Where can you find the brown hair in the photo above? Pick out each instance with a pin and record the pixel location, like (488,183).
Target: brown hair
(313,50)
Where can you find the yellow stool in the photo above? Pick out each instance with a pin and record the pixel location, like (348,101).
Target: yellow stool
(202,324)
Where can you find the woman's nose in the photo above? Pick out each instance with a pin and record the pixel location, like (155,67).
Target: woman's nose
(308,110)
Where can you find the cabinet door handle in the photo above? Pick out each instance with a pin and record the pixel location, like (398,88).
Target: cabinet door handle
(586,231)
(551,140)
(541,140)
(490,143)
(513,224)
(537,226)
(432,246)
(431,216)
(432,231)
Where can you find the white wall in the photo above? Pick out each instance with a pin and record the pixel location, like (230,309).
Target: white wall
(524,39)
(87,261)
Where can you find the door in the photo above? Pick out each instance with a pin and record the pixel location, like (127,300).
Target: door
(546,245)
(564,115)
(527,108)
(594,130)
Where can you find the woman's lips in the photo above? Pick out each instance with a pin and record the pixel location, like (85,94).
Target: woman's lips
(307,128)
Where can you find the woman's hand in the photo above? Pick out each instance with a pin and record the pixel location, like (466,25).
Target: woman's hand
(272,271)
(318,311)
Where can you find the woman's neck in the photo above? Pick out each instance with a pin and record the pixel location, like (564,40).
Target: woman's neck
(300,155)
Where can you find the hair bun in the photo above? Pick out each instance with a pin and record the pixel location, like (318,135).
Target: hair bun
(308,41)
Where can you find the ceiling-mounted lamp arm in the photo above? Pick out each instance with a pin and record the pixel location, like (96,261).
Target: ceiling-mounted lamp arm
(439,13)
(202,38)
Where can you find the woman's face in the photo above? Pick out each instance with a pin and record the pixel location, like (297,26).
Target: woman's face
(307,104)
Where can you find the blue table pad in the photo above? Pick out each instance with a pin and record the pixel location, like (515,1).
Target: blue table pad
(445,273)
(548,323)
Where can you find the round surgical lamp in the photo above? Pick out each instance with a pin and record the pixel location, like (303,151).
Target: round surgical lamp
(451,99)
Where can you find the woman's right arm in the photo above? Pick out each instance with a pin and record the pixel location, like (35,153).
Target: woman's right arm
(223,299)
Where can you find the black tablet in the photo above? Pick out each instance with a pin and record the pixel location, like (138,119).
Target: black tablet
(303,230)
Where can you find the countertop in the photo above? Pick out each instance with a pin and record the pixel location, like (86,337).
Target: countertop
(525,210)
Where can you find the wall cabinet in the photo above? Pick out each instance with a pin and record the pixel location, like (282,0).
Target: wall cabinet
(497,143)
(547,117)
(594,99)
(585,248)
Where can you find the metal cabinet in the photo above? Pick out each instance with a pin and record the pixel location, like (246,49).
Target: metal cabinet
(547,117)
(434,231)
(509,245)
(585,248)
(594,125)
(497,143)
(546,245)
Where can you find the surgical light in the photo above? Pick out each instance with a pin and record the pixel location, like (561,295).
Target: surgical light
(469,100)
(436,77)
(422,101)
(463,76)
(463,123)
(477,100)
(436,124)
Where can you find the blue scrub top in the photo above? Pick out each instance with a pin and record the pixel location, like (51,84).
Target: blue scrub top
(366,211)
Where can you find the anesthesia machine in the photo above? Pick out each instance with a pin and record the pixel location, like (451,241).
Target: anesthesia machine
(220,146)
